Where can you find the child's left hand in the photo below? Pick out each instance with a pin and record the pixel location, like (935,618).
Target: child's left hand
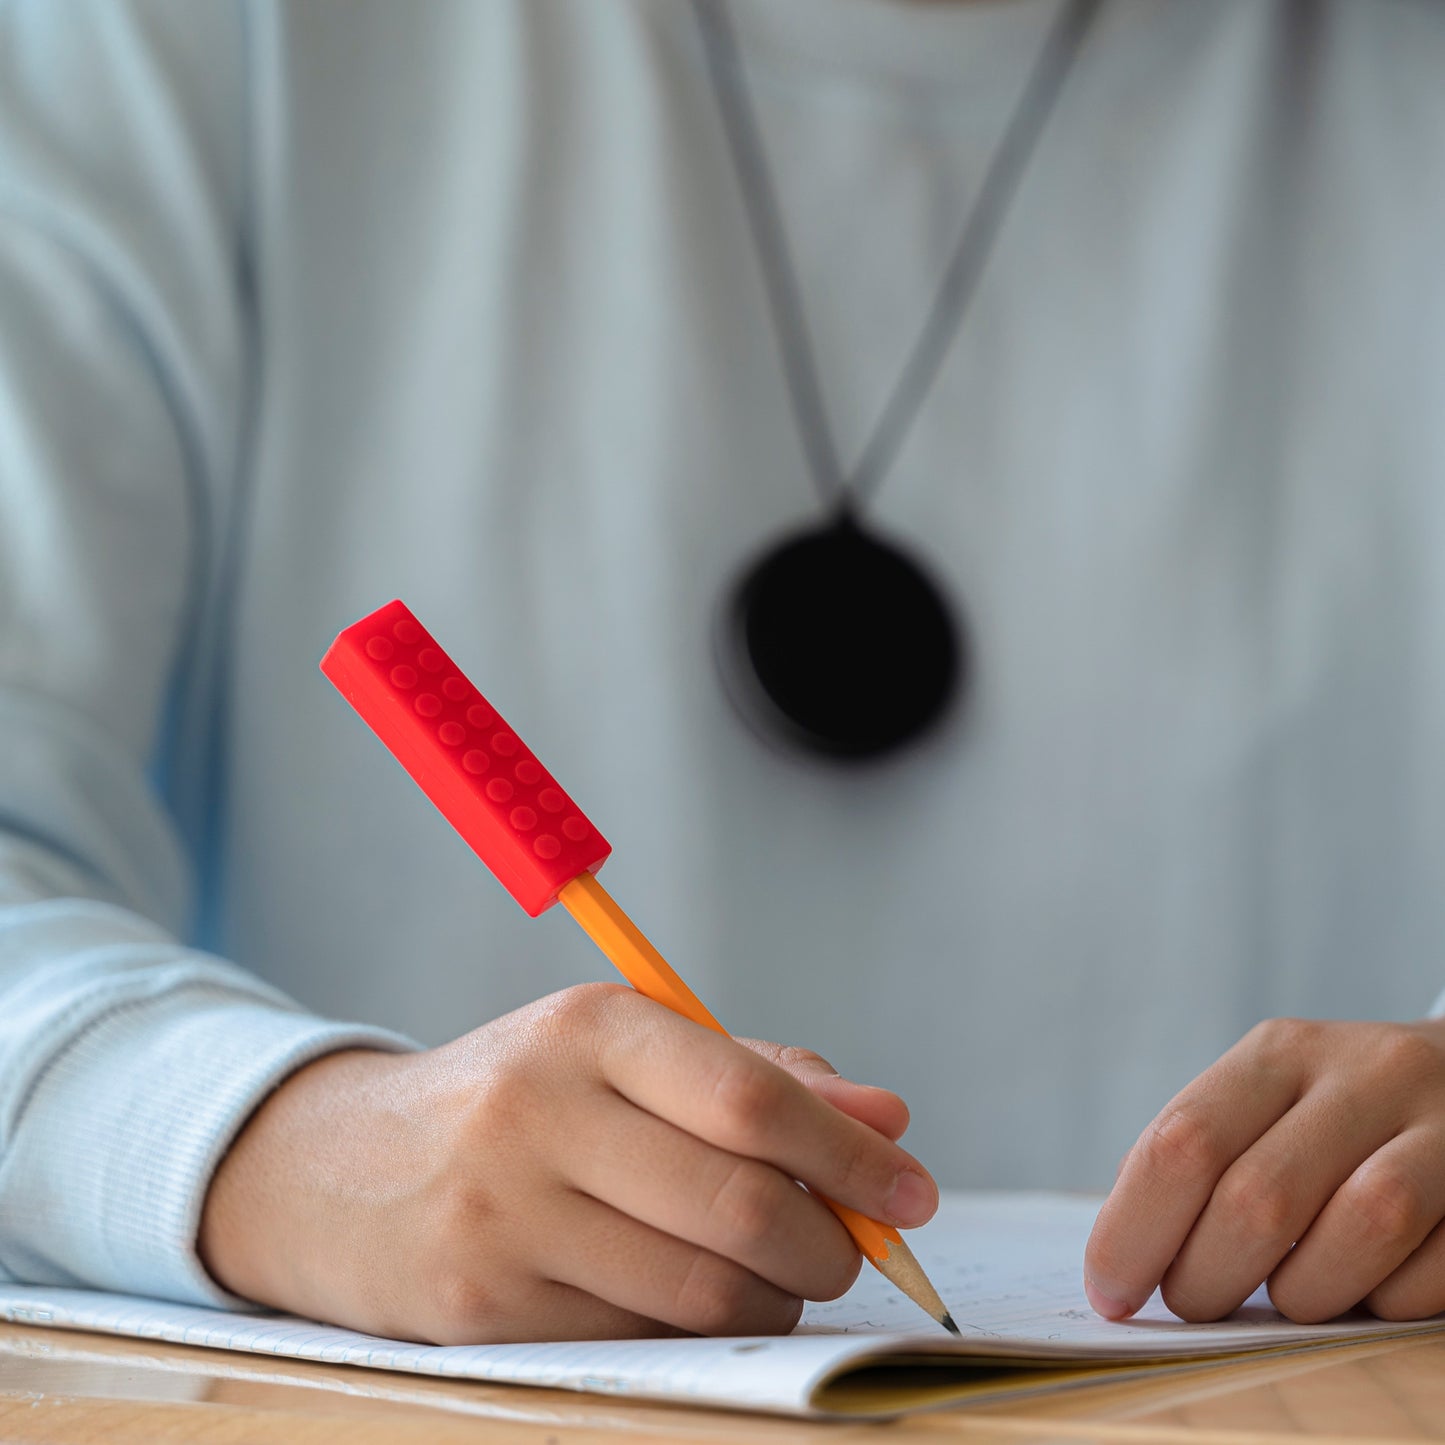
(1312,1155)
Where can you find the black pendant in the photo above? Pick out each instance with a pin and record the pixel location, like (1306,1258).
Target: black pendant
(836,641)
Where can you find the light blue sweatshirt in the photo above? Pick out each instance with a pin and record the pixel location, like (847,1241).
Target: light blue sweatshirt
(304,306)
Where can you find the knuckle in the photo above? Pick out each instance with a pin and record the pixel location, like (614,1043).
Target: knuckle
(714,1296)
(504,1105)
(465,1307)
(861,1170)
(1281,1042)
(746,1202)
(460,1211)
(579,1007)
(1389,1204)
(1407,1059)
(1180,1144)
(1257,1202)
(1285,1032)
(745,1097)
(568,1027)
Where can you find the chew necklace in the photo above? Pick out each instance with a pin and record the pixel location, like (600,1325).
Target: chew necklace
(835,639)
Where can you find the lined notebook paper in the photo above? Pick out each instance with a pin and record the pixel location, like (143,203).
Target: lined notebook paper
(1007,1265)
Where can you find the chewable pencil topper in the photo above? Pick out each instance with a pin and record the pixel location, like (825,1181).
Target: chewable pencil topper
(461,752)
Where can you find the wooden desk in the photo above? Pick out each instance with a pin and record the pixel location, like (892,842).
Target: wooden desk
(63,1388)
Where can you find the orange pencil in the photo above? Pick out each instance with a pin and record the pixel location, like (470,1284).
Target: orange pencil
(505,804)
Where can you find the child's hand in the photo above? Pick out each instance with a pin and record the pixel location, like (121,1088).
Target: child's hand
(1311,1155)
(590,1165)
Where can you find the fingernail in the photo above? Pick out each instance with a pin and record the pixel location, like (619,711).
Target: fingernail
(913,1199)
(1106,1305)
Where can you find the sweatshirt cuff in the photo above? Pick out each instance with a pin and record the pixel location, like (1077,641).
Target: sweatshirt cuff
(118,1142)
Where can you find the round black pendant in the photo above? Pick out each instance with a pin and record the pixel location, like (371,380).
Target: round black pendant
(837,642)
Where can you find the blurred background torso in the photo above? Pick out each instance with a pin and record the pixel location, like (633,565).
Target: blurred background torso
(1181,474)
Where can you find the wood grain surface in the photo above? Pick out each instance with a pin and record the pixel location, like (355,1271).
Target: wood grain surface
(66,1388)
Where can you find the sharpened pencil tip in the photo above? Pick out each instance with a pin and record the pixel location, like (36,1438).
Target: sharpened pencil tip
(948,1324)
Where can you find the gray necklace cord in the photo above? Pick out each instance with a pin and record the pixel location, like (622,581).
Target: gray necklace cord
(960,279)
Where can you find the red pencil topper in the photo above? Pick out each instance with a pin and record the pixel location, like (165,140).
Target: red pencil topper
(463,756)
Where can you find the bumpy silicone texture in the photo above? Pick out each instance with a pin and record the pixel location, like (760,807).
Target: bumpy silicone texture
(463,755)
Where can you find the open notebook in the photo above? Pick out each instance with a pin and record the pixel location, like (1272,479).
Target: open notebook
(1007,1265)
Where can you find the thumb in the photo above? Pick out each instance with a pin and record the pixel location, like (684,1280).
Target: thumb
(880,1109)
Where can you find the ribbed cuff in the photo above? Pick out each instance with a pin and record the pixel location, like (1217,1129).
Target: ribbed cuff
(117,1144)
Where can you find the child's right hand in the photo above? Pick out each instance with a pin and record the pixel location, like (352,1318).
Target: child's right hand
(591,1165)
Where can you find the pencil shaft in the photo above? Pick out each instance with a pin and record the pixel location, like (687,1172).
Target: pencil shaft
(609,927)
(604,922)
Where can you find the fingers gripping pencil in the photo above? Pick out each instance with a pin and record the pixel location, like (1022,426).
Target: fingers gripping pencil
(541,846)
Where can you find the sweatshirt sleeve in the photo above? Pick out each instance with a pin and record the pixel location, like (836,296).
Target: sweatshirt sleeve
(128,1061)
